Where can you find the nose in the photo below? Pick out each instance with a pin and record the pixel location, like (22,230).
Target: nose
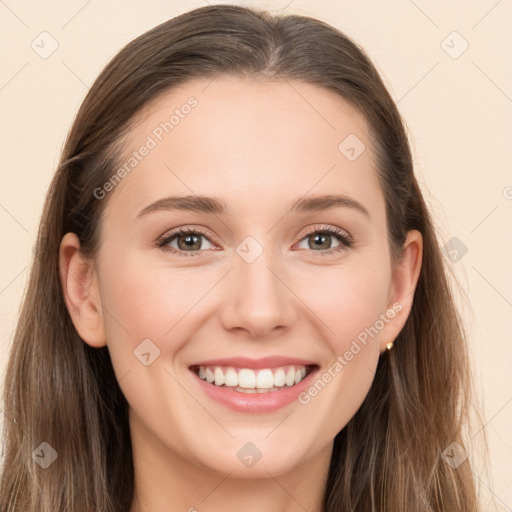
(258,299)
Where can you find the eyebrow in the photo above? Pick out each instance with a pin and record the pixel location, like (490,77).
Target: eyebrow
(212,205)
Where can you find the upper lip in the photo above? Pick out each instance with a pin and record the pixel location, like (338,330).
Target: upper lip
(264,362)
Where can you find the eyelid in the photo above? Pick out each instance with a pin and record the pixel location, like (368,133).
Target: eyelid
(331,229)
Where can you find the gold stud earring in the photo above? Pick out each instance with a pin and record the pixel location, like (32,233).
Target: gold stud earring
(389,346)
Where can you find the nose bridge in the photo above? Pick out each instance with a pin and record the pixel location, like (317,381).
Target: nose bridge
(258,301)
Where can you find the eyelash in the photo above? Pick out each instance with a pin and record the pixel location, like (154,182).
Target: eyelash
(345,239)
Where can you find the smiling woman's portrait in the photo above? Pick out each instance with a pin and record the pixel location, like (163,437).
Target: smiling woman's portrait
(238,298)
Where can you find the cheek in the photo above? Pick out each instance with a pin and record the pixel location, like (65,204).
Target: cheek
(349,301)
(349,310)
(142,301)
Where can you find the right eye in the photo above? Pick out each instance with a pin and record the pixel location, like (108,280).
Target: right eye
(188,240)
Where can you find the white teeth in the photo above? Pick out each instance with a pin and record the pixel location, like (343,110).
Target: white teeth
(290,377)
(248,380)
(280,377)
(265,379)
(255,390)
(219,376)
(230,377)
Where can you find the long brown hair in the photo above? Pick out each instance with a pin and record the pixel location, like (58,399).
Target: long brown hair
(63,392)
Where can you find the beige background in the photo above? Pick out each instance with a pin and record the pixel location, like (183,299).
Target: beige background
(458,109)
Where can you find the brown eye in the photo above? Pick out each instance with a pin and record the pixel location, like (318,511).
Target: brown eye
(320,240)
(187,241)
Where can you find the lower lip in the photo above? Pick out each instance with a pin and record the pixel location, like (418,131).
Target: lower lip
(254,402)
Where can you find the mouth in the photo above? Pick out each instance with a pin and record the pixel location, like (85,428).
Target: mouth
(257,386)
(243,379)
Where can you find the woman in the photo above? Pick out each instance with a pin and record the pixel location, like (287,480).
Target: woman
(238,298)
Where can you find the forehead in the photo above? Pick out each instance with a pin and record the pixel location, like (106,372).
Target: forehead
(248,140)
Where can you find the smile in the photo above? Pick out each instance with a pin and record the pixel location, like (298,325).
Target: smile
(248,380)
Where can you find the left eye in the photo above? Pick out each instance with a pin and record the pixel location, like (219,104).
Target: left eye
(322,237)
(189,241)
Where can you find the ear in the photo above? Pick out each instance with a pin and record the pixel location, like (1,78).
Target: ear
(81,292)
(403,284)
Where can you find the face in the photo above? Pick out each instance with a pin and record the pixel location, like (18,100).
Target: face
(268,283)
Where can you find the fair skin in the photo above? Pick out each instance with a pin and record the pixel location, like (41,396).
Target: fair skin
(257,146)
